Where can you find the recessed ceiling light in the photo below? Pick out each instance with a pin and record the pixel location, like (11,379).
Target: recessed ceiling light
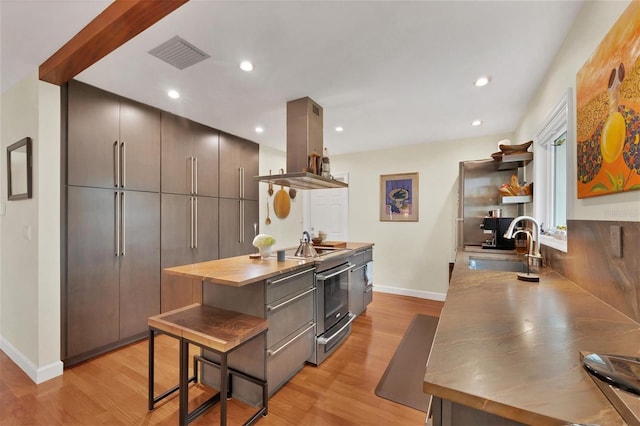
(259,129)
(482,81)
(476,122)
(173,94)
(246,66)
(339,129)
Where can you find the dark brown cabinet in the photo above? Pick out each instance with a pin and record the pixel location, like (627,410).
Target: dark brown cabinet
(238,165)
(239,195)
(112,141)
(189,235)
(113,266)
(238,226)
(189,157)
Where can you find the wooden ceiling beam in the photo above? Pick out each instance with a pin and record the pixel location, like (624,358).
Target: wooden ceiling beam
(117,24)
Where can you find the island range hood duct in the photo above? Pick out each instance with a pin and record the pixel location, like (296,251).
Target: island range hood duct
(304,141)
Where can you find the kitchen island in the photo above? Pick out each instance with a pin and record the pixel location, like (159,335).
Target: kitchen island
(283,292)
(511,349)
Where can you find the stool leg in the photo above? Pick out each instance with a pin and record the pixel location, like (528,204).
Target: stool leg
(223,389)
(151,369)
(184,381)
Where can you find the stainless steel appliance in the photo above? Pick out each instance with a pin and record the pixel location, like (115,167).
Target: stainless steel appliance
(498,226)
(333,319)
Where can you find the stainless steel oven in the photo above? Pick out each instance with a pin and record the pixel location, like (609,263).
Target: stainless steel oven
(333,319)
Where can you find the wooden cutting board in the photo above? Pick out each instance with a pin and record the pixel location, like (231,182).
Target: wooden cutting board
(334,244)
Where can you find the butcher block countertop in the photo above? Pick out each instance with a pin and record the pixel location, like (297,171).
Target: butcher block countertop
(241,270)
(512,348)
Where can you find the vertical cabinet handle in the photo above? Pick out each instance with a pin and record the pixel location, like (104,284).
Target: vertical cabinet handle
(116,215)
(195,223)
(195,175)
(191,222)
(116,164)
(123,223)
(191,170)
(240,221)
(123,165)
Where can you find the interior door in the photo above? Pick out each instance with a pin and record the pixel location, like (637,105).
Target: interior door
(328,210)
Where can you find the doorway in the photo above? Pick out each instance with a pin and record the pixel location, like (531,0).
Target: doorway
(328,210)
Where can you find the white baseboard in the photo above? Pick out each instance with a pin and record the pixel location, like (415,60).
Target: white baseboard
(37,374)
(440,297)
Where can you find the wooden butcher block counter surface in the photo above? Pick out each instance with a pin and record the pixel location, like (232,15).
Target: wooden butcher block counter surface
(242,270)
(512,348)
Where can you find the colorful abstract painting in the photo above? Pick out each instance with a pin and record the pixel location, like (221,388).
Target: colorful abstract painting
(399,197)
(608,111)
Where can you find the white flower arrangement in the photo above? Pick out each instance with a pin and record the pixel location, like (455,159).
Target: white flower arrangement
(263,240)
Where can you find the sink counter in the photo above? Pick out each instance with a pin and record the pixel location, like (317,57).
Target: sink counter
(512,348)
(241,270)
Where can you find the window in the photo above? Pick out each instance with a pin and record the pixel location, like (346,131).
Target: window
(551,165)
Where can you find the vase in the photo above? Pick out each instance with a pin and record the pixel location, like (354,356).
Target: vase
(265,252)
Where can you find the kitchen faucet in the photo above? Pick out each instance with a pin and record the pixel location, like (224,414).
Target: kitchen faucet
(534,251)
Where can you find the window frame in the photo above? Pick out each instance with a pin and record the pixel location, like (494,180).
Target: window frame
(560,120)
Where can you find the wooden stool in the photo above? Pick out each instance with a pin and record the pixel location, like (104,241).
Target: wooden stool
(215,329)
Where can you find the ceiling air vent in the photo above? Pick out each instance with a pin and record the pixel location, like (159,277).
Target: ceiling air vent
(179,53)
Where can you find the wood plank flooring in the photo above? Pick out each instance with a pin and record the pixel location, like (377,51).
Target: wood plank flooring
(112,389)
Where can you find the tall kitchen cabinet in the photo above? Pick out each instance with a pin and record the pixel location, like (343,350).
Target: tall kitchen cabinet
(238,195)
(189,206)
(112,220)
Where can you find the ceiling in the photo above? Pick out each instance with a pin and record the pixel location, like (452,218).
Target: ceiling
(391,73)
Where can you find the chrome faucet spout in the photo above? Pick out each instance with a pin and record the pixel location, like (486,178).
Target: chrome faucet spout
(535,251)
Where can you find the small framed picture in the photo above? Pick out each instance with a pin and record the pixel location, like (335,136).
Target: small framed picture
(399,197)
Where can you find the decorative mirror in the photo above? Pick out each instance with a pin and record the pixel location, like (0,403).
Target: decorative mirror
(19,169)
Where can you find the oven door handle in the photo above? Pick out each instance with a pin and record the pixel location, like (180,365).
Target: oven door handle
(324,340)
(323,277)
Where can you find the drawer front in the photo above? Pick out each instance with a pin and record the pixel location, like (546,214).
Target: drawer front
(288,315)
(368,255)
(278,288)
(357,259)
(368,295)
(289,359)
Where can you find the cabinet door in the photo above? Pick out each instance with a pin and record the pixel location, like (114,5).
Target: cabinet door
(230,151)
(93,122)
(92,318)
(175,250)
(249,160)
(229,228)
(140,145)
(357,283)
(205,150)
(207,230)
(176,154)
(251,226)
(140,264)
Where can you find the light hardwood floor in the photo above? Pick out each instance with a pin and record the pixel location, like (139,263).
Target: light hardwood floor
(112,389)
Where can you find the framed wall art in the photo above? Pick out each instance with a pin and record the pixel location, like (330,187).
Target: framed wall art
(608,111)
(399,197)
(19,172)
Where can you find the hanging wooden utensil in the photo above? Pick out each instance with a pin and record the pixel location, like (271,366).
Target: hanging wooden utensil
(268,219)
(282,202)
(292,193)
(270,186)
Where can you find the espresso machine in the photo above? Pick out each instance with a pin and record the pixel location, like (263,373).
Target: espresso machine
(498,226)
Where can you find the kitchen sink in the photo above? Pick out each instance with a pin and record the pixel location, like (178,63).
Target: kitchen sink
(511,265)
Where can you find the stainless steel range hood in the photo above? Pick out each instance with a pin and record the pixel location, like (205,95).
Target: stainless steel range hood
(304,143)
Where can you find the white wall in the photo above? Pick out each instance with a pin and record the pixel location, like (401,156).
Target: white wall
(411,258)
(30,234)
(287,231)
(590,27)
